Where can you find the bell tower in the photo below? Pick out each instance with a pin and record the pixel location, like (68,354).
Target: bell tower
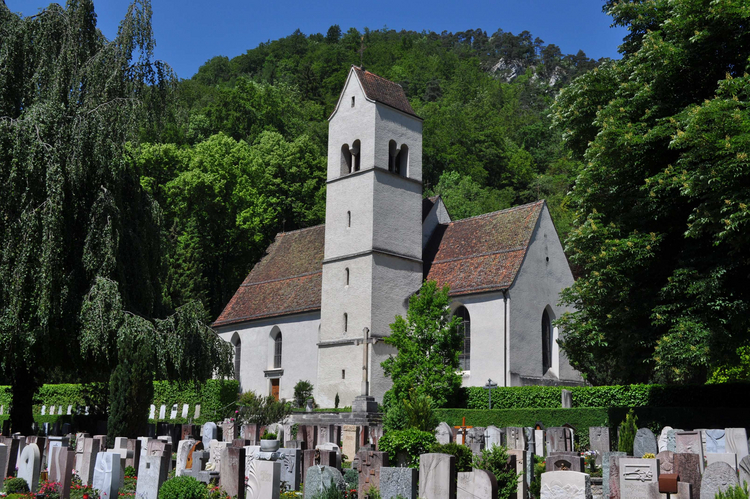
(373,234)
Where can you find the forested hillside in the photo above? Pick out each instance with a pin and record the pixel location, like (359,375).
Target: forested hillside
(243,155)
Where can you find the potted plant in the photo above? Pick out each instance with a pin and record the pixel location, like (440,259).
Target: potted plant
(269,442)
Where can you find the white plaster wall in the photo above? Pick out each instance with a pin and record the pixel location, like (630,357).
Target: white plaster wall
(300,337)
(543,274)
(487,353)
(397,215)
(331,361)
(348,124)
(404,129)
(355,194)
(338,298)
(394,280)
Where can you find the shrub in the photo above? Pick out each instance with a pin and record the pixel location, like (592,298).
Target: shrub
(495,460)
(267,435)
(411,442)
(628,430)
(16,486)
(336,401)
(462,454)
(329,493)
(736,492)
(130,471)
(419,412)
(260,410)
(217,493)
(303,390)
(50,490)
(183,487)
(395,415)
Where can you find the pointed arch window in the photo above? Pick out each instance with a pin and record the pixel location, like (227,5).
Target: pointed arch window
(546,342)
(277,351)
(464,327)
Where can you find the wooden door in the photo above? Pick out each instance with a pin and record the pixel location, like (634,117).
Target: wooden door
(275,388)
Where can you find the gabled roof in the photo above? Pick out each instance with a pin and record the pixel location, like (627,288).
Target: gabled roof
(482,253)
(384,91)
(286,281)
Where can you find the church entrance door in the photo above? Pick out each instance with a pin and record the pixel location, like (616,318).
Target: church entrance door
(275,388)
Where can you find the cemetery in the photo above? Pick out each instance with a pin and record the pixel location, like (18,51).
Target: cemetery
(562,449)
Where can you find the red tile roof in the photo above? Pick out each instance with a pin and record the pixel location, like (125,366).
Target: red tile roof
(473,255)
(483,253)
(286,281)
(384,91)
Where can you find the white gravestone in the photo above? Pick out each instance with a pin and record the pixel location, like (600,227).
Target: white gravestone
(183,449)
(718,477)
(639,478)
(566,485)
(263,480)
(492,436)
(744,469)
(208,433)
(162,411)
(715,441)
(664,439)
(730,459)
(443,433)
(736,442)
(173,412)
(107,474)
(437,476)
(185,411)
(29,466)
(152,412)
(477,484)
(197,411)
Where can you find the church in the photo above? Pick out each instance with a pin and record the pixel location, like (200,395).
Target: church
(317,306)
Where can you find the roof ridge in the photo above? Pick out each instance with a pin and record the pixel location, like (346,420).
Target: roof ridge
(506,210)
(282,233)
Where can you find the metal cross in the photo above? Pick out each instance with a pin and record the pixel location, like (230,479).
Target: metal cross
(489,386)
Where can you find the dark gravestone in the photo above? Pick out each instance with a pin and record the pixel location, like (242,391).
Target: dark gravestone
(614,476)
(368,468)
(232,471)
(6,428)
(687,466)
(599,440)
(151,433)
(565,461)
(559,439)
(162,429)
(644,443)
(606,470)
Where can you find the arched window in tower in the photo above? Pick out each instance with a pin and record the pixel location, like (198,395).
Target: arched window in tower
(392,154)
(355,150)
(464,327)
(277,351)
(346,160)
(546,342)
(402,160)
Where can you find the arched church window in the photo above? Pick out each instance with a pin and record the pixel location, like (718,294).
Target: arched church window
(402,160)
(464,327)
(355,151)
(546,342)
(277,351)
(346,160)
(392,153)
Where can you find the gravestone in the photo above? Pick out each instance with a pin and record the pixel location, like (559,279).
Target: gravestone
(639,478)
(4,458)
(736,441)
(539,443)
(530,436)
(559,439)
(215,451)
(10,463)
(152,412)
(162,411)
(349,440)
(663,441)
(151,475)
(102,442)
(29,466)
(566,485)
(715,441)
(61,460)
(565,461)
(197,446)
(133,445)
(689,469)
(514,438)
(319,478)
(730,459)
(744,470)
(317,457)
(444,433)
(230,430)
(173,412)
(263,479)
(197,411)
(718,477)
(521,465)
(689,442)
(183,449)
(606,467)
(368,468)
(599,440)
(107,474)
(492,436)
(291,467)
(396,482)
(232,471)
(614,474)
(672,439)
(91,447)
(566,399)
(437,476)
(476,484)
(644,443)
(185,411)
(666,462)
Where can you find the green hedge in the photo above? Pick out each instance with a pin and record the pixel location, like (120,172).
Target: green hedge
(728,395)
(215,396)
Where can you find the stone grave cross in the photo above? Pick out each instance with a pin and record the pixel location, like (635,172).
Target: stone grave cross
(366,341)
(462,430)
(489,386)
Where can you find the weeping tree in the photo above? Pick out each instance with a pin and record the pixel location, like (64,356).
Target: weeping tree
(80,254)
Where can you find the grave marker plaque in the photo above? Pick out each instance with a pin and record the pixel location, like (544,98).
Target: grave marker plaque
(639,478)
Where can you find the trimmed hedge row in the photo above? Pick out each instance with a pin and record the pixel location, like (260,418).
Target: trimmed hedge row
(727,395)
(581,418)
(216,398)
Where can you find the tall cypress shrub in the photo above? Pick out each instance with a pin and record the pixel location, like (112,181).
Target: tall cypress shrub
(131,390)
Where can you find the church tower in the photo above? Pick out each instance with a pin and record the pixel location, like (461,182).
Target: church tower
(373,233)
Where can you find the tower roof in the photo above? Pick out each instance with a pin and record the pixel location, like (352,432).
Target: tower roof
(384,91)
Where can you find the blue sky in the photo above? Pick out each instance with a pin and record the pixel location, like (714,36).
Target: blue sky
(188,32)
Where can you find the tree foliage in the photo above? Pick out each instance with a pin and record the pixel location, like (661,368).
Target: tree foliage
(261,410)
(428,343)
(662,202)
(81,249)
